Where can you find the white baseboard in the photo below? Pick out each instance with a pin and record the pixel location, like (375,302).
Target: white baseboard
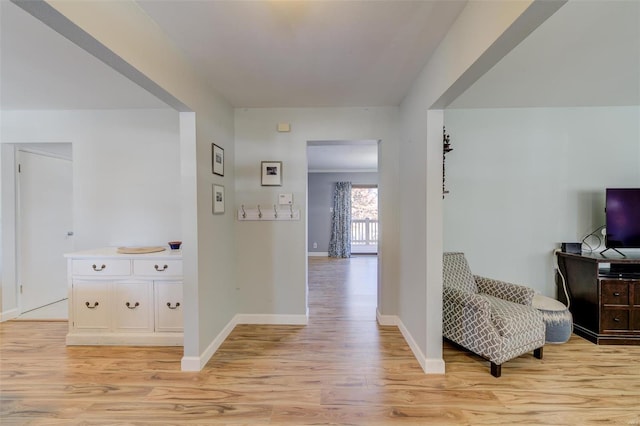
(318,254)
(197,363)
(124,339)
(429,365)
(8,315)
(190,363)
(434,366)
(387,319)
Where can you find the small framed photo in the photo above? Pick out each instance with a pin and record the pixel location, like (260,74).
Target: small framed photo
(217,159)
(271,173)
(218,199)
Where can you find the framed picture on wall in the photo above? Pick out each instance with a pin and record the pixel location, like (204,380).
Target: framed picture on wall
(218,199)
(271,173)
(217,159)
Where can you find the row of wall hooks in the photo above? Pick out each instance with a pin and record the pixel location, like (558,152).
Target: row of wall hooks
(268,214)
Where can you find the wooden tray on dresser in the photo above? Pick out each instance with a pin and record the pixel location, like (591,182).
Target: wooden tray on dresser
(140,250)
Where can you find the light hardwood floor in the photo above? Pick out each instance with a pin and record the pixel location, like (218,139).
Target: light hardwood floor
(340,369)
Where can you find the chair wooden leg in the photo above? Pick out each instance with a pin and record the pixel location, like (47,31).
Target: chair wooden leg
(496,370)
(538,352)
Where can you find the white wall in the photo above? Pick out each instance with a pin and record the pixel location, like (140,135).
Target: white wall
(126,170)
(7,194)
(126,174)
(139,50)
(271,264)
(143,53)
(483,33)
(524,180)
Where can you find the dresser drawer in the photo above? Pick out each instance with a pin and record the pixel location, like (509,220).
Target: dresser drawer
(614,319)
(615,293)
(157,268)
(101,267)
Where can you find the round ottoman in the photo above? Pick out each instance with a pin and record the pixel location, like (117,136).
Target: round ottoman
(557,318)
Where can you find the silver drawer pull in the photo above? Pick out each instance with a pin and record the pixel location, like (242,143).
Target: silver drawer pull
(616,319)
(616,294)
(88,305)
(101,268)
(164,268)
(135,305)
(175,307)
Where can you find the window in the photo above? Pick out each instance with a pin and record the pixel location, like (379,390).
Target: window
(364,219)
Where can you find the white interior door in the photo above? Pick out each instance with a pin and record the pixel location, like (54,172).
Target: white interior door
(45,215)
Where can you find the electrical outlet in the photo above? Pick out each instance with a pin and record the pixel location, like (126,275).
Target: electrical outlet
(315,245)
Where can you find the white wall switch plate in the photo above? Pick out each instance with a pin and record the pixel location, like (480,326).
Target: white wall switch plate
(285,199)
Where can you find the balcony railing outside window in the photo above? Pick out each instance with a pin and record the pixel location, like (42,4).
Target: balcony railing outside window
(364,219)
(364,232)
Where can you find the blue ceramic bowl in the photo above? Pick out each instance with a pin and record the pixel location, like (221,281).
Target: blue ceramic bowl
(175,245)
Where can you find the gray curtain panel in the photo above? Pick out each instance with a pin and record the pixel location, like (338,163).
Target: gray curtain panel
(340,243)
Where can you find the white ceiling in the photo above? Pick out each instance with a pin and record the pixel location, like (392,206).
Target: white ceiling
(307,53)
(331,53)
(255,53)
(40,69)
(586,54)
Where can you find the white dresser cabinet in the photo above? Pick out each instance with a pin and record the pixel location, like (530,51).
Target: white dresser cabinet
(168,309)
(133,307)
(125,299)
(91,308)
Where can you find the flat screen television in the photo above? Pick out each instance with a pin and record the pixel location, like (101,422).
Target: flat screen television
(623,218)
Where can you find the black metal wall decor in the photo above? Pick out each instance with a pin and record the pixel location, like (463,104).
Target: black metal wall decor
(446,147)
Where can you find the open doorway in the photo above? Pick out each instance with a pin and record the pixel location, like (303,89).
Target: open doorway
(330,162)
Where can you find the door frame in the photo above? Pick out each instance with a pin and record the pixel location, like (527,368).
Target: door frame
(330,142)
(52,152)
(9,215)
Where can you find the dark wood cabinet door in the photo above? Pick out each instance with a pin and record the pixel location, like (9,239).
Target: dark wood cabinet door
(635,290)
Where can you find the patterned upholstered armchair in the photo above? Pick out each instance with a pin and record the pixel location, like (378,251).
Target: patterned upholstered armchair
(491,318)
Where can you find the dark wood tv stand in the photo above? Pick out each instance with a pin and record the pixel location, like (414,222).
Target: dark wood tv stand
(605,303)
